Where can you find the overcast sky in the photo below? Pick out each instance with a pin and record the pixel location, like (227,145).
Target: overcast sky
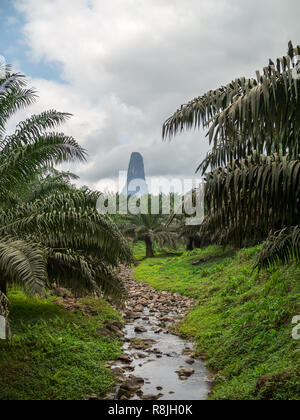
(123,66)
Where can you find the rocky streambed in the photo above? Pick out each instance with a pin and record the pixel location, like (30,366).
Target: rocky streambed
(157,364)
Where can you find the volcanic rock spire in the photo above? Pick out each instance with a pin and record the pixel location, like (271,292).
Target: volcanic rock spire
(136,180)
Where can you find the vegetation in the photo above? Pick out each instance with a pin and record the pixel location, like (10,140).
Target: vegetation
(52,236)
(253,189)
(149,228)
(56,354)
(241,321)
(49,232)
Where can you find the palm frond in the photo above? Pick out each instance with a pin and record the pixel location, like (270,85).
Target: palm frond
(68,221)
(23,161)
(23,262)
(251,114)
(280,248)
(79,273)
(27,131)
(250,197)
(12,101)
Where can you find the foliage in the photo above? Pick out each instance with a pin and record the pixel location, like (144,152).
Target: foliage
(248,114)
(149,228)
(49,231)
(254,130)
(281,247)
(56,355)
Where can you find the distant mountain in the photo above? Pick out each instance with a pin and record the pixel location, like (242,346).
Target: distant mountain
(136,180)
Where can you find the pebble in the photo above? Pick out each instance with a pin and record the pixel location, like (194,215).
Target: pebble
(164,308)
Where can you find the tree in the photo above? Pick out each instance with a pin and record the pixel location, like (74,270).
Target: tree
(49,231)
(254,127)
(149,228)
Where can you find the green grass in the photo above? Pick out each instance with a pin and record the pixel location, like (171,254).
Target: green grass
(139,251)
(56,354)
(242,319)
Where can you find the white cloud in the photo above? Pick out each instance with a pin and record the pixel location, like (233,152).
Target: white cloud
(128,64)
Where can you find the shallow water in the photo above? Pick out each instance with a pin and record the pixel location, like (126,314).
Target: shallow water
(161,372)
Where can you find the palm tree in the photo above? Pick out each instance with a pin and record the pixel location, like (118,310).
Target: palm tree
(49,231)
(149,228)
(254,129)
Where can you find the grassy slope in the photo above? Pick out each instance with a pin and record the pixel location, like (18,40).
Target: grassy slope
(56,354)
(242,321)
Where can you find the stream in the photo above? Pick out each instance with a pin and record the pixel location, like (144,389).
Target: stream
(156,364)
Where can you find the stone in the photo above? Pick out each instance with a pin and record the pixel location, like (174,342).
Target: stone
(190,361)
(151,397)
(133,384)
(141,356)
(139,329)
(115,330)
(109,364)
(142,344)
(185,372)
(124,358)
(93,397)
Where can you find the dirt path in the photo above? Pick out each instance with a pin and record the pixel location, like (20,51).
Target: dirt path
(155,363)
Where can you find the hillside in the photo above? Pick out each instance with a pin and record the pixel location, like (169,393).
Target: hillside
(242,321)
(57,354)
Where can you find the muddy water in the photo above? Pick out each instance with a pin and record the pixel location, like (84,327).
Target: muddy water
(167,353)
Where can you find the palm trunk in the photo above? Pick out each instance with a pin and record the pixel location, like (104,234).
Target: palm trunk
(149,248)
(4,307)
(3,286)
(190,245)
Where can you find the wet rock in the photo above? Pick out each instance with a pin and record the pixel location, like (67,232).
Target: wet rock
(133,384)
(185,373)
(190,361)
(115,330)
(210,379)
(187,351)
(157,330)
(117,324)
(159,388)
(118,370)
(110,397)
(139,329)
(109,364)
(142,344)
(123,394)
(124,358)
(141,356)
(151,397)
(92,397)
(156,351)
(129,368)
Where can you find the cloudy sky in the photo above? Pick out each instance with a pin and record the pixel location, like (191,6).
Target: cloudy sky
(123,66)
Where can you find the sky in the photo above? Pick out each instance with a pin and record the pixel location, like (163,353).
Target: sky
(123,67)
